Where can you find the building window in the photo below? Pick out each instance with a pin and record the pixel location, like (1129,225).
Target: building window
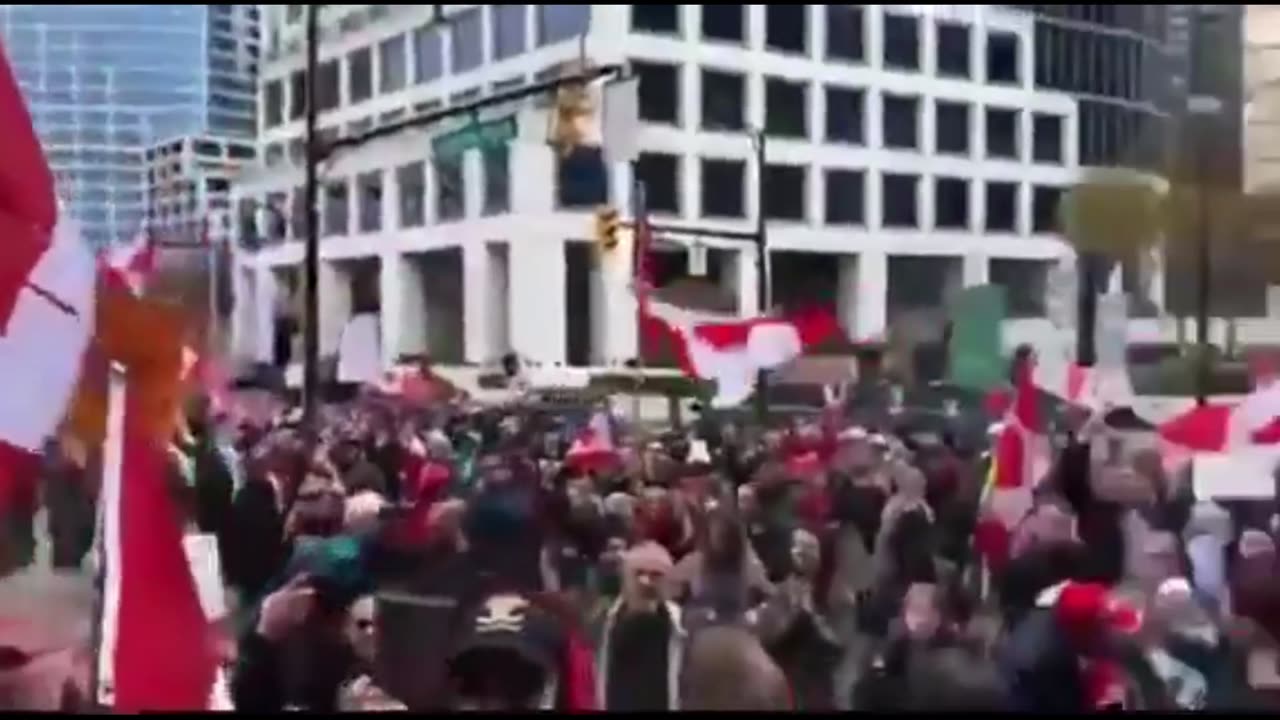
(899,200)
(662,19)
(468,41)
(451,202)
(953,50)
(277,221)
(557,23)
(337,206)
(659,92)
(901,42)
(1002,58)
(392,64)
(1025,282)
(509,22)
(581,178)
(273,103)
(1002,133)
(724,23)
(298,215)
(722,188)
(784,195)
(411,183)
(428,54)
(369,199)
(950,203)
(328,86)
(844,32)
(951,126)
(359,75)
(786,106)
(496,162)
(660,174)
(1002,207)
(845,196)
(1046,138)
(297,95)
(724,100)
(1044,209)
(901,116)
(844,115)
(786,28)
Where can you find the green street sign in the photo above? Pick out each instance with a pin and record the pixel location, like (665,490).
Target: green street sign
(486,134)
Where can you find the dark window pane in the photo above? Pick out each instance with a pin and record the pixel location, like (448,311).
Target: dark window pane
(722,188)
(468,41)
(273,99)
(660,174)
(507,28)
(359,75)
(369,201)
(844,115)
(1046,138)
(953,50)
(901,120)
(952,128)
(450,189)
(1002,58)
(723,100)
(844,32)
(784,194)
(393,64)
(845,196)
(901,42)
(899,200)
(1002,133)
(659,92)
(1002,207)
(1044,209)
(724,22)
(581,177)
(556,23)
(336,208)
(785,107)
(298,95)
(328,86)
(1025,283)
(951,203)
(496,163)
(411,186)
(656,18)
(785,27)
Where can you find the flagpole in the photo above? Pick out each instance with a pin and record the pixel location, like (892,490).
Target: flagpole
(107,598)
(764,302)
(311,258)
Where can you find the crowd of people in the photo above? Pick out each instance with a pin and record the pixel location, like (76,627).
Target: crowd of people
(521,557)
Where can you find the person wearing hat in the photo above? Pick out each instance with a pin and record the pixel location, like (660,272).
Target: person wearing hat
(508,658)
(641,646)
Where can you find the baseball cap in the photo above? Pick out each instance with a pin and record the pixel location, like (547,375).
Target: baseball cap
(511,622)
(1089,607)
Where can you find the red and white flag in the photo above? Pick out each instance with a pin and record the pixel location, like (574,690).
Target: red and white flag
(1220,427)
(593,449)
(1021,453)
(156,650)
(732,351)
(47,283)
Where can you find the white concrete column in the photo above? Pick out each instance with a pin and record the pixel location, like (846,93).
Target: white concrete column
(390,200)
(847,295)
(245,315)
(743,278)
(413,308)
(533,189)
(264,307)
(335,306)
(976,270)
(476,306)
(614,328)
(499,299)
(873,294)
(473,183)
(390,299)
(537,290)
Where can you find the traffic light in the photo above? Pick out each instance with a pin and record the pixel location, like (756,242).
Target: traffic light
(608,225)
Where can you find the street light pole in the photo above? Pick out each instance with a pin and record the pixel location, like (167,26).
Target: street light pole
(1201,108)
(763,302)
(311,259)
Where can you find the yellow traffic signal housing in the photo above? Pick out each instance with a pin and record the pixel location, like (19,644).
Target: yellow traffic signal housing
(608,224)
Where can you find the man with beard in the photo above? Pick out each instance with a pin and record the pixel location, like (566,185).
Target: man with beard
(642,641)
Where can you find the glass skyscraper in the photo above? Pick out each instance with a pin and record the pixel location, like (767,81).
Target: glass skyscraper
(105,82)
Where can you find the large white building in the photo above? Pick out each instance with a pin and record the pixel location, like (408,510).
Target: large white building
(911,150)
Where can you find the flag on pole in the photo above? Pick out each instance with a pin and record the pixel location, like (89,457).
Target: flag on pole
(46,299)
(156,648)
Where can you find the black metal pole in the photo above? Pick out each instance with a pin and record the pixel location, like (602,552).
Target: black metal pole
(1087,308)
(311,260)
(763,301)
(1203,268)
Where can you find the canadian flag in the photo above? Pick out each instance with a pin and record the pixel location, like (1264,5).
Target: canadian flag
(1220,427)
(157,649)
(593,450)
(47,281)
(1021,454)
(732,351)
